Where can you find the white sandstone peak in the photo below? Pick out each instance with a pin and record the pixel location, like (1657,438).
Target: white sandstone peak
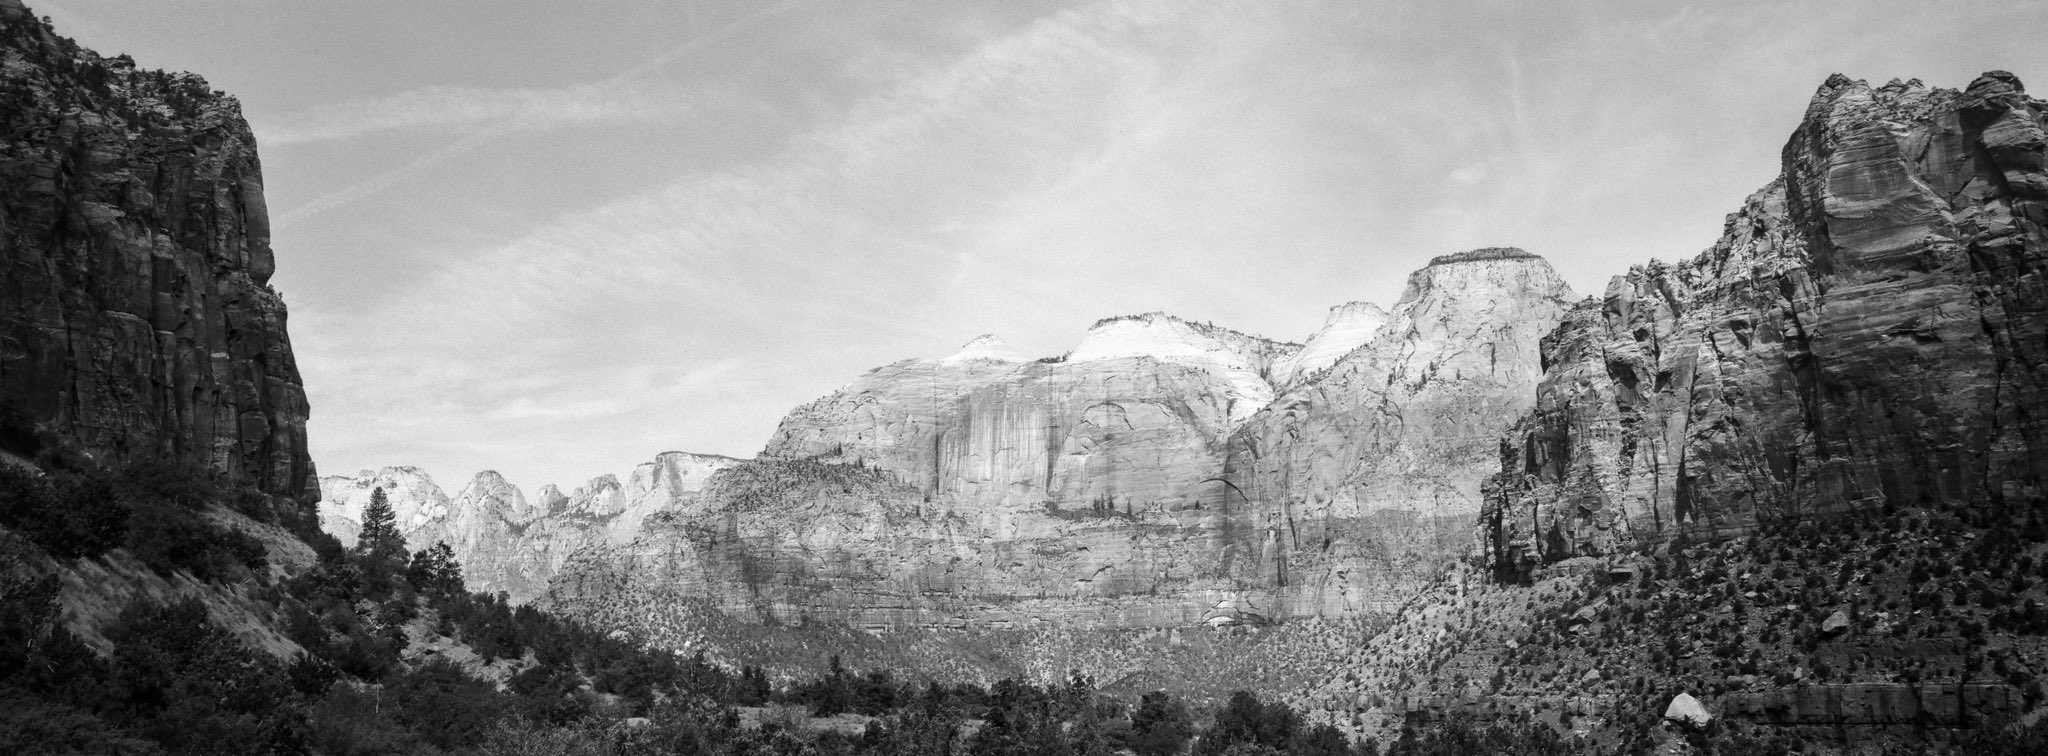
(987,346)
(1242,359)
(1348,327)
(414,498)
(1482,277)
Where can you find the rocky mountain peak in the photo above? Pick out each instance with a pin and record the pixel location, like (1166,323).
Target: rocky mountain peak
(1244,360)
(1481,254)
(987,346)
(1477,279)
(1348,326)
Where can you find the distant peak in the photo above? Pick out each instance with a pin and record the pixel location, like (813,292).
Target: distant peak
(1356,308)
(985,341)
(1481,254)
(1447,276)
(1156,317)
(1143,317)
(667,455)
(987,346)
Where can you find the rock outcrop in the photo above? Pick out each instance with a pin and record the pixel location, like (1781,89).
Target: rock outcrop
(135,318)
(505,541)
(1365,477)
(1869,331)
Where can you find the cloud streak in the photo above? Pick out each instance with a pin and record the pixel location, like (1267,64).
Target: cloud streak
(519,121)
(445,108)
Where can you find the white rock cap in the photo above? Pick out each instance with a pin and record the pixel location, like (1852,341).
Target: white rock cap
(987,346)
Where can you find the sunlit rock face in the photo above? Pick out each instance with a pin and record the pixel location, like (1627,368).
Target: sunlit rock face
(1358,483)
(416,502)
(1869,330)
(1134,417)
(1348,327)
(1102,488)
(505,541)
(136,322)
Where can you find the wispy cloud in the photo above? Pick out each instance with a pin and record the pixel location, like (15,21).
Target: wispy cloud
(495,129)
(776,254)
(443,108)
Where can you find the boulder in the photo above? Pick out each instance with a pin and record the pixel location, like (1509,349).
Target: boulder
(1686,710)
(1835,624)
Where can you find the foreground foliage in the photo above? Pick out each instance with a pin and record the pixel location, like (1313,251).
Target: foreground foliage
(511,679)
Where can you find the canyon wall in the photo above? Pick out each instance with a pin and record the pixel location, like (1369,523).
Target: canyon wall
(135,318)
(1869,330)
(1365,476)
(1145,478)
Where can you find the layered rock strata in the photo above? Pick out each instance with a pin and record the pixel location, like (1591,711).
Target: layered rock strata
(1869,330)
(135,318)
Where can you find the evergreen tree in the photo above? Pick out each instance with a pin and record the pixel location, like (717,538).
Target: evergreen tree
(380,536)
(1160,726)
(380,548)
(435,571)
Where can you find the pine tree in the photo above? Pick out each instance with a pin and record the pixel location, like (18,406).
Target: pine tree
(380,539)
(435,571)
(380,549)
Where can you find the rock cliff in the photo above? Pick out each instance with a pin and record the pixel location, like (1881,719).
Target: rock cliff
(1101,487)
(1868,332)
(135,318)
(505,541)
(1365,475)
(1135,417)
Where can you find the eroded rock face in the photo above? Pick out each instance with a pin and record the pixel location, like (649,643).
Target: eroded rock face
(1101,488)
(135,319)
(1135,418)
(1349,326)
(505,541)
(1868,330)
(795,540)
(1365,477)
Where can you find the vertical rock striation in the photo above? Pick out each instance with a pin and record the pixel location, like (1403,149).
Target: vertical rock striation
(135,318)
(1869,330)
(1361,479)
(1142,479)
(1134,417)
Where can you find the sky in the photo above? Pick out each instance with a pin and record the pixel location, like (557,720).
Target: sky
(555,239)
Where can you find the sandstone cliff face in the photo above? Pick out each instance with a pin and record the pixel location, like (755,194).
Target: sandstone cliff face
(1033,490)
(135,319)
(1868,331)
(1134,417)
(1349,326)
(795,540)
(1364,476)
(505,541)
